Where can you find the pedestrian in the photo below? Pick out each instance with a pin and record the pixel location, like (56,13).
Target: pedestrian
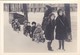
(61,28)
(48,11)
(49,31)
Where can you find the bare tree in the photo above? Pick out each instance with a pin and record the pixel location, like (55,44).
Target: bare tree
(67,12)
(25,10)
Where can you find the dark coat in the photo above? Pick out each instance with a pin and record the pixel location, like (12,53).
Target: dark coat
(61,28)
(45,18)
(33,28)
(49,31)
(32,31)
(28,29)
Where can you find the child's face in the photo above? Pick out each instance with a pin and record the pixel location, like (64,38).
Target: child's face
(61,13)
(52,17)
(39,26)
(28,24)
(34,24)
(16,20)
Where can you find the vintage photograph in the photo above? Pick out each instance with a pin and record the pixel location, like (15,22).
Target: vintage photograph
(40,28)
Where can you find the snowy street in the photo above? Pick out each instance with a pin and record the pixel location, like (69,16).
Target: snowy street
(18,43)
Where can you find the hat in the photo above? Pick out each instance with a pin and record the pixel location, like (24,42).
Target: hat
(33,22)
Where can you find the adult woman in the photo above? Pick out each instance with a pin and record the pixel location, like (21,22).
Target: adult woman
(46,15)
(61,28)
(49,30)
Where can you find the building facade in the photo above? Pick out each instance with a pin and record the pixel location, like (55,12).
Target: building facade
(35,7)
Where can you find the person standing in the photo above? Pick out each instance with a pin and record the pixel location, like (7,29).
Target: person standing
(48,11)
(61,28)
(49,31)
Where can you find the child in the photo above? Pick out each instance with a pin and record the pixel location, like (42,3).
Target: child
(38,34)
(16,25)
(27,28)
(49,31)
(32,29)
(61,28)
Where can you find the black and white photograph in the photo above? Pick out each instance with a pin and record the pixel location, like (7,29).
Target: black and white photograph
(40,27)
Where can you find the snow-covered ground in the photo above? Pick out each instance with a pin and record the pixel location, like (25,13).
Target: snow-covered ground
(18,43)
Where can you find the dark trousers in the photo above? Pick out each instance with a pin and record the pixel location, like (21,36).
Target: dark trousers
(61,44)
(49,45)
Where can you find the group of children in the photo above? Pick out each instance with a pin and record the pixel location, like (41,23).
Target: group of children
(34,30)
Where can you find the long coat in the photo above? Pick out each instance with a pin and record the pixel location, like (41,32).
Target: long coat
(49,31)
(45,18)
(61,28)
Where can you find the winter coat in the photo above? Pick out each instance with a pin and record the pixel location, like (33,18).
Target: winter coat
(49,31)
(45,18)
(33,28)
(28,29)
(32,31)
(61,28)
(38,33)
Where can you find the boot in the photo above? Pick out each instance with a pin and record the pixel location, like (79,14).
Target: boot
(50,49)
(49,46)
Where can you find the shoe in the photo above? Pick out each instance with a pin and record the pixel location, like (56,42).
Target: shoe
(63,49)
(32,39)
(50,49)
